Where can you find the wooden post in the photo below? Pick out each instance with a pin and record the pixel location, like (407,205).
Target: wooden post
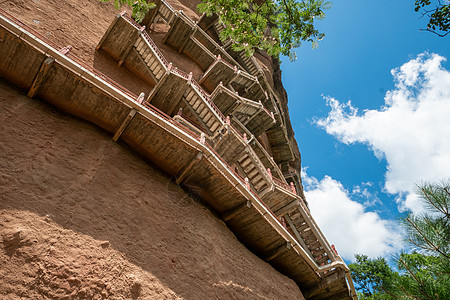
(40,76)
(131,41)
(293,188)
(140,98)
(124,124)
(66,49)
(228,215)
(202,138)
(186,170)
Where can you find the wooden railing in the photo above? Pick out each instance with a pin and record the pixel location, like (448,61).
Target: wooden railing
(106,81)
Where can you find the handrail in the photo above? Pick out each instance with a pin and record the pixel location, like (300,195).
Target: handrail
(281,183)
(207,100)
(183,74)
(101,81)
(147,38)
(101,75)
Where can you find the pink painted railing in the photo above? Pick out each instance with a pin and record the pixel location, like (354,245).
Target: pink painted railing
(70,55)
(29,29)
(152,108)
(130,19)
(101,75)
(282,184)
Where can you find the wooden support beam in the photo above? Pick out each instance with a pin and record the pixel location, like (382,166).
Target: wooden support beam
(159,84)
(184,173)
(40,76)
(324,284)
(298,236)
(287,208)
(188,37)
(124,124)
(105,36)
(228,215)
(130,42)
(272,254)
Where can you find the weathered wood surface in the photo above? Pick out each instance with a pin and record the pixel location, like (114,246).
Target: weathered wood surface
(82,92)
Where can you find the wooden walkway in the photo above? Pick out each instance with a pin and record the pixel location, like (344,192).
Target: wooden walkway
(218,61)
(247,205)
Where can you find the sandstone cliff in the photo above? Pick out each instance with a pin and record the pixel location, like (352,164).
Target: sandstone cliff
(83,217)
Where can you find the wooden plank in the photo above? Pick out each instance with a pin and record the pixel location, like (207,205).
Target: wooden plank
(186,170)
(124,125)
(228,215)
(297,235)
(40,76)
(130,42)
(272,254)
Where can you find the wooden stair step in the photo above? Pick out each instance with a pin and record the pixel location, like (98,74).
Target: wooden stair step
(203,111)
(259,185)
(197,103)
(215,126)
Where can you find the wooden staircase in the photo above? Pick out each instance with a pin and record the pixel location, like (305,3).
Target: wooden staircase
(151,57)
(83,91)
(250,157)
(253,170)
(308,237)
(203,110)
(251,114)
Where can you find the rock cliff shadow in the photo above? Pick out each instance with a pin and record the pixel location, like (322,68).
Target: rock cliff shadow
(70,171)
(106,65)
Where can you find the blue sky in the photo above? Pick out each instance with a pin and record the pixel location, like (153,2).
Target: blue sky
(363,165)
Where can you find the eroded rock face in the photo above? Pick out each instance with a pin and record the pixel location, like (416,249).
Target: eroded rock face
(83,217)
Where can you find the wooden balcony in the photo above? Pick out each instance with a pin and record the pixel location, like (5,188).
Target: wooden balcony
(251,114)
(35,64)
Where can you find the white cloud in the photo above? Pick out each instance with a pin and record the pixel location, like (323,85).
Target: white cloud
(362,192)
(346,223)
(412,130)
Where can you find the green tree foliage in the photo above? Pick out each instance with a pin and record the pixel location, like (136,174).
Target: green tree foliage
(276,27)
(140,7)
(424,273)
(369,276)
(272,26)
(438,14)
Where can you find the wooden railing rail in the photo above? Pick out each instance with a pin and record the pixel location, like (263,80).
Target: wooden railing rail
(115,89)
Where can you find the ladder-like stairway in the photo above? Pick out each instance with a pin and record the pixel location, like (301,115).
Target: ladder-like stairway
(150,56)
(254,171)
(203,110)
